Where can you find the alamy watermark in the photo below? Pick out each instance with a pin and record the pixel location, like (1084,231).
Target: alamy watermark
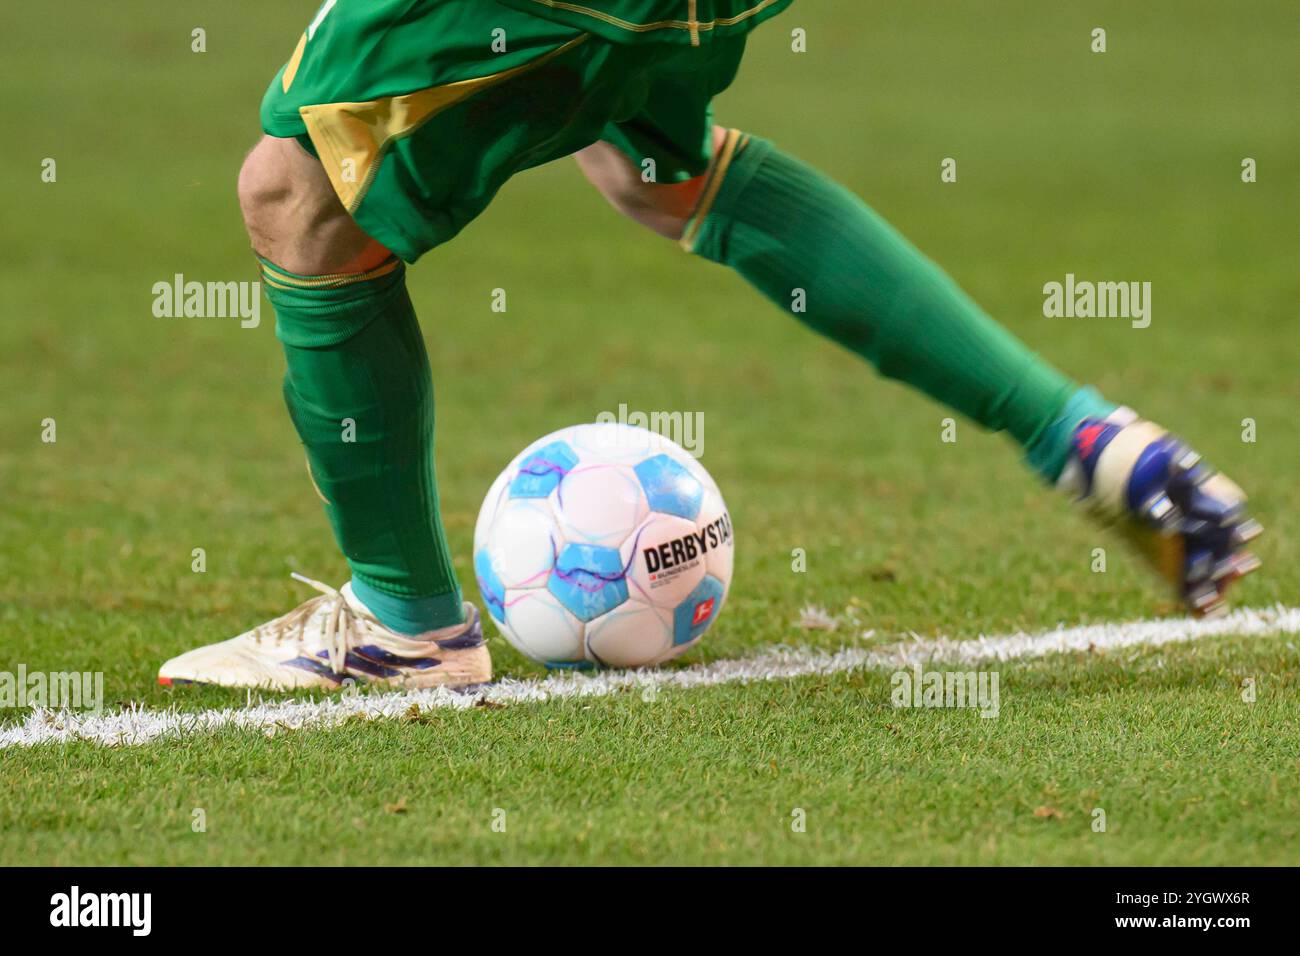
(55,690)
(133,911)
(191,299)
(684,428)
(1084,299)
(977,690)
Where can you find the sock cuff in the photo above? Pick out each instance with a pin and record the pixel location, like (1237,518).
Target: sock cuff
(279,278)
(1048,453)
(322,311)
(732,168)
(410,615)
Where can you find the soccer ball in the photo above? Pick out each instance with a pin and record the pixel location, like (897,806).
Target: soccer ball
(603,544)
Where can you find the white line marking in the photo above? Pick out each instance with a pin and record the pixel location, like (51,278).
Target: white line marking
(139,725)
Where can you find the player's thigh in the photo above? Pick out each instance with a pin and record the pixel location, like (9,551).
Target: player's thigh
(669,137)
(418,132)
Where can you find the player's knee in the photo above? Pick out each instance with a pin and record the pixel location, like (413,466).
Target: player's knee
(293,216)
(647,207)
(264,189)
(661,208)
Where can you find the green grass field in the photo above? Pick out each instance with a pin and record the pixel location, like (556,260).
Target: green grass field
(171,436)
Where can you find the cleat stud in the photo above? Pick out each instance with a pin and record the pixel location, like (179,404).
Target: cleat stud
(1247,562)
(1248,530)
(1203,596)
(1200,567)
(1226,571)
(1160,510)
(1218,609)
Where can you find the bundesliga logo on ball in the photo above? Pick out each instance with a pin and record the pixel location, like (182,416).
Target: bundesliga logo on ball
(603,544)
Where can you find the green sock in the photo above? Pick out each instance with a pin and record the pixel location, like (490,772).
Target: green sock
(360,394)
(786,227)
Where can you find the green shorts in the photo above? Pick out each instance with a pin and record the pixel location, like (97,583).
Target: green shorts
(420,110)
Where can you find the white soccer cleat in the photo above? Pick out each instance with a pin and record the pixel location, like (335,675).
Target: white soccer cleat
(332,639)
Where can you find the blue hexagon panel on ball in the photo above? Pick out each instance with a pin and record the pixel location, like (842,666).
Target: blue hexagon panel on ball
(694,615)
(540,473)
(489,585)
(670,488)
(588,580)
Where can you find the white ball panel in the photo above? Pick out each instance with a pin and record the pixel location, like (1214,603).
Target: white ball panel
(720,558)
(633,635)
(677,650)
(488,511)
(600,504)
(660,570)
(541,628)
(611,442)
(504,630)
(523,543)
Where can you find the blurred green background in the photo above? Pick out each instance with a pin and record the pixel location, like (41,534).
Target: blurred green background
(172,436)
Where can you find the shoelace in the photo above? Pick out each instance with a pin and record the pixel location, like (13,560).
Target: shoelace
(340,626)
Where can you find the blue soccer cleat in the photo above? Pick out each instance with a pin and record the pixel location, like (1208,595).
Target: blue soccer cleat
(1188,520)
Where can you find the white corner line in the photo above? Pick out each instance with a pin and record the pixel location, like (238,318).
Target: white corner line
(138,725)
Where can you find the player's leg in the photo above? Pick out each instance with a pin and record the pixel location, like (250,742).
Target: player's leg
(355,181)
(359,392)
(816,249)
(819,252)
(664,208)
(358,385)
(784,225)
